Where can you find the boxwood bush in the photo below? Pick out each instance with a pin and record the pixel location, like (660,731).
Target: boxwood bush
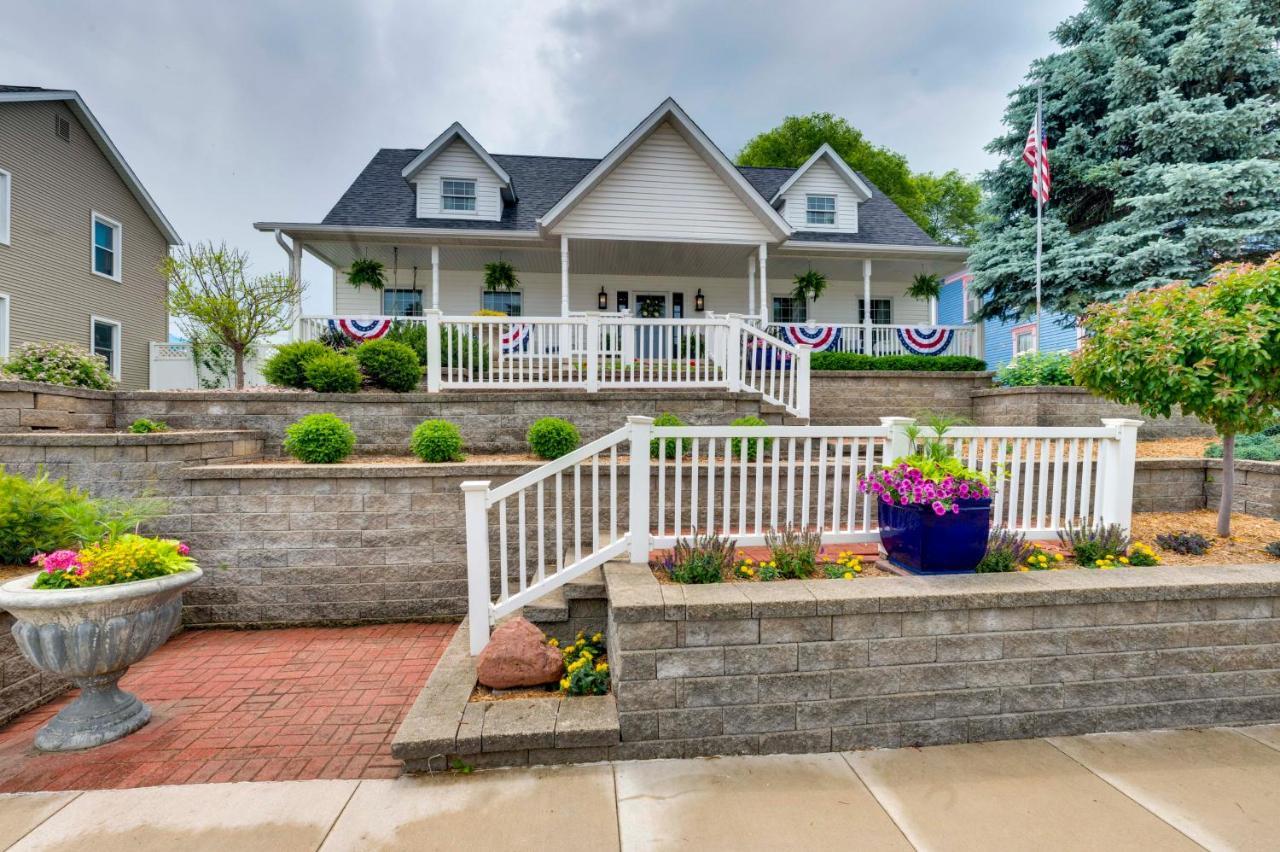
(551,438)
(752,443)
(389,364)
(1259,446)
(319,439)
(1037,369)
(58,363)
(669,419)
(333,373)
(436,441)
(914,363)
(286,368)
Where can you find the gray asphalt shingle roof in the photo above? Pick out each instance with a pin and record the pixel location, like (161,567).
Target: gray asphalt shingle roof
(380,197)
(5,88)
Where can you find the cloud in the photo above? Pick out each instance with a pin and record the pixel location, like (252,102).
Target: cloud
(242,111)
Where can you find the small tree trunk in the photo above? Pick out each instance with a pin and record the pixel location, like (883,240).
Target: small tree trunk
(238,354)
(1228,484)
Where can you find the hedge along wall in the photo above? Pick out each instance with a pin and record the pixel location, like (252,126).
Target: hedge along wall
(829,665)
(491,421)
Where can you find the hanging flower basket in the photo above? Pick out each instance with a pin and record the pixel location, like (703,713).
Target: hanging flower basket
(366,270)
(809,286)
(500,275)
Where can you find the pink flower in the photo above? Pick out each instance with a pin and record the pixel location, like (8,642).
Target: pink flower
(938,508)
(955,508)
(183,550)
(58,560)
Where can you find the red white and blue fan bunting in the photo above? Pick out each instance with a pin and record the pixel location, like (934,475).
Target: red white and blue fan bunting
(516,337)
(361,329)
(820,337)
(925,340)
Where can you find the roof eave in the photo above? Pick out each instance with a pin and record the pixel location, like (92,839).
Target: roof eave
(883,249)
(318,230)
(105,144)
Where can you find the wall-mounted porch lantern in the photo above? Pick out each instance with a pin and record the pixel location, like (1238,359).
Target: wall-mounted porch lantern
(699,303)
(602,301)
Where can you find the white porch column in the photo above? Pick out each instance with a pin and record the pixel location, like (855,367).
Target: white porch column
(933,311)
(765,312)
(435,278)
(751,286)
(866,305)
(564,275)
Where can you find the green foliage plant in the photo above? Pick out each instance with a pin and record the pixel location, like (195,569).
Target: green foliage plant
(856,361)
(753,445)
(319,439)
(333,373)
(925,286)
(437,441)
(32,515)
(1257,446)
(550,438)
(700,560)
(794,551)
(364,271)
(1006,550)
(143,426)
(389,364)
(1212,350)
(1185,543)
(500,275)
(675,447)
(58,363)
(287,366)
(586,671)
(1273,549)
(808,286)
(1036,369)
(1091,545)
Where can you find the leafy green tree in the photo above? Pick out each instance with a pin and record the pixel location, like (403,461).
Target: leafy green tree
(1213,350)
(950,206)
(213,299)
(1163,119)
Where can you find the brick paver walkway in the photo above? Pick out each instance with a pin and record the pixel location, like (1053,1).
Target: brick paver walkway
(251,705)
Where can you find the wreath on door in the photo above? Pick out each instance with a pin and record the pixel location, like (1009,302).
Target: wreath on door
(651,309)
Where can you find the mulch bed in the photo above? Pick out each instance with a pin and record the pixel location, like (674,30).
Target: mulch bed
(1174,448)
(1249,534)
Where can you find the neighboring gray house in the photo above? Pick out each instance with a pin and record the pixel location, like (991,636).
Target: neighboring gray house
(81,241)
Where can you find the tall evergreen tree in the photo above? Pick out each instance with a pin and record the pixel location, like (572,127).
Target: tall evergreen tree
(1163,119)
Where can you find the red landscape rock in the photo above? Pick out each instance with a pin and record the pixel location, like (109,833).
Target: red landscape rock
(518,655)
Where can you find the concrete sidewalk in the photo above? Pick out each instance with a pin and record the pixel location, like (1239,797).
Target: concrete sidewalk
(1216,788)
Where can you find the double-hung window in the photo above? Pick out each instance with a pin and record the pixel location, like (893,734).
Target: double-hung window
(458,195)
(820,210)
(106,247)
(1024,339)
(881,311)
(509,302)
(787,309)
(105,341)
(6,206)
(402,303)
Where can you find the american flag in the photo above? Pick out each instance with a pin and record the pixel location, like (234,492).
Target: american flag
(1036,155)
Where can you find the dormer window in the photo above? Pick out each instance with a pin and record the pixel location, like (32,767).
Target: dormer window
(820,210)
(458,195)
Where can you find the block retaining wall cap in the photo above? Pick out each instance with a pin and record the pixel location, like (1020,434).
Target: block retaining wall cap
(55,390)
(125,439)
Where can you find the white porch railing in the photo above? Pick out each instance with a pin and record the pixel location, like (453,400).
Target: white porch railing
(883,339)
(595,351)
(565,518)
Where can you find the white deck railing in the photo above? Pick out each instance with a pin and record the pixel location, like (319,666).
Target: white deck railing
(595,351)
(565,518)
(883,339)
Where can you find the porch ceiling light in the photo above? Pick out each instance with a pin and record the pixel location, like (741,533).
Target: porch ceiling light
(699,302)
(602,300)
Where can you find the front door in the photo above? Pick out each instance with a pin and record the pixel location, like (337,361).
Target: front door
(650,338)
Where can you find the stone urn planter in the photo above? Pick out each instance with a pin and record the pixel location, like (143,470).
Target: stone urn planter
(91,636)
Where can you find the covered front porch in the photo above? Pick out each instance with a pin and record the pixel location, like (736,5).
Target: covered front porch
(865,307)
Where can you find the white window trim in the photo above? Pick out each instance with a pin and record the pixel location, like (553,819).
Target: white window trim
(449,213)
(116,253)
(1026,329)
(835,210)
(6,208)
(6,329)
(118,341)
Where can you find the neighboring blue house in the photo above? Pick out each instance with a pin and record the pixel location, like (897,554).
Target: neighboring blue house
(1003,339)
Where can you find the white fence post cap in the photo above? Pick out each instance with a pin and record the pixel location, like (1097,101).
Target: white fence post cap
(897,421)
(638,419)
(475,485)
(1121,421)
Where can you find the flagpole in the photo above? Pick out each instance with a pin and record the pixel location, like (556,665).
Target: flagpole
(1039,208)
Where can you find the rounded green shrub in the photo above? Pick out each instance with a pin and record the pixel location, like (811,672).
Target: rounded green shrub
(287,367)
(672,451)
(333,373)
(389,364)
(34,516)
(436,441)
(551,438)
(752,443)
(1036,369)
(58,363)
(319,439)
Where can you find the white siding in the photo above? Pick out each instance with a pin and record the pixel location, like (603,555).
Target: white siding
(458,161)
(460,294)
(664,190)
(821,179)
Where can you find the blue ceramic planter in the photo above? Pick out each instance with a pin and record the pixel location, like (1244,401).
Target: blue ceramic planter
(926,543)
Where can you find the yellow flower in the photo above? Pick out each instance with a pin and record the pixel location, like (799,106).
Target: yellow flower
(553,642)
(1057,557)
(1024,568)
(1098,561)
(1124,559)
(848,575)
(597,637)
(857,569)
(602,667)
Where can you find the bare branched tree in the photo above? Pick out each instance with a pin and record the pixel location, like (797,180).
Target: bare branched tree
(213,299)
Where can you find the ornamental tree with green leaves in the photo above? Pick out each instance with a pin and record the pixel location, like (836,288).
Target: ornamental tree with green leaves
(945,206)
(1212,349)
(1163,121)
(213,299)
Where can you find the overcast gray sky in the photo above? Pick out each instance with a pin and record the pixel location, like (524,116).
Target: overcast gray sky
(243,110)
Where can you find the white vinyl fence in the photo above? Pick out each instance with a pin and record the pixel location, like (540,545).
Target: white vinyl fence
(875,339)
(179,366)
(570,515)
